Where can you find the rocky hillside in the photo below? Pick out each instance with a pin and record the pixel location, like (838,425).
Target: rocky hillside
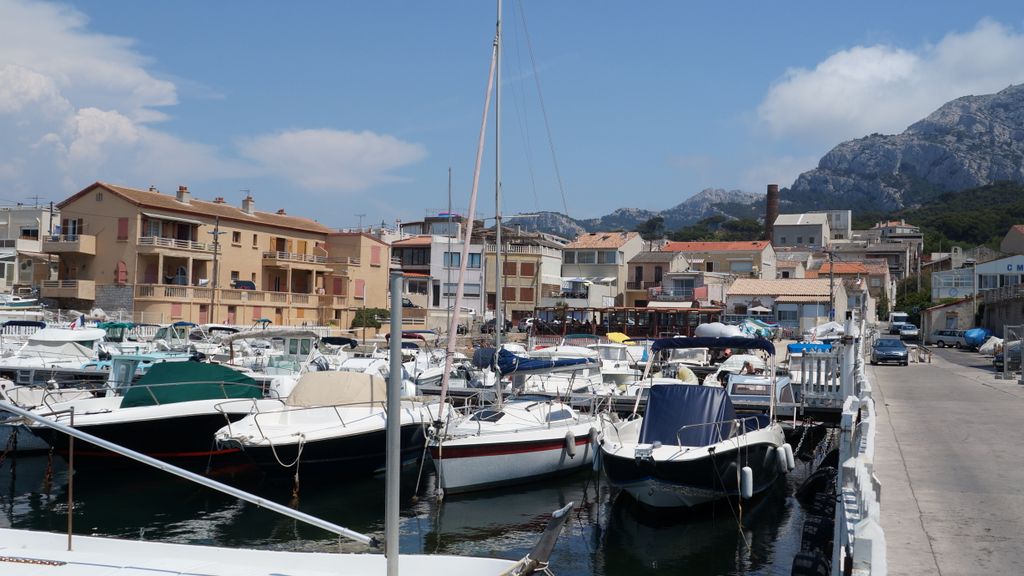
(709,202)
(969,142)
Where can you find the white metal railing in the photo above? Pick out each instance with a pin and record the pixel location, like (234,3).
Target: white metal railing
(175,243)
(859,543)
(348,260)
(525,249)
(670,293)
(294,257)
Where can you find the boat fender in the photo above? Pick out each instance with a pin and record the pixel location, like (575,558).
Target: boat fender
(570,444)
(780,454)
(746,482)
(790,461)
(595,438)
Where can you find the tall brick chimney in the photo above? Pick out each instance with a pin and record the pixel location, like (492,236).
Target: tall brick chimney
(771,211)
(183,195)
(248,204)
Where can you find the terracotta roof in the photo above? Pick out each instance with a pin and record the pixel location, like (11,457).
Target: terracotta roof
(1018,228)
(801,299)
(755,246)
(783,287)
(853,268)
(602,240)
(195,207)
(415,241)
(363,234)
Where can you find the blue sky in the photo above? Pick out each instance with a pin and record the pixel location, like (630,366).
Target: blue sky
(333,109)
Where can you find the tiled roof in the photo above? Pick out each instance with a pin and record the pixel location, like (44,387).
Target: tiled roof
(602,240)
(873,267)
(802,299)
(1018,228)
(195,207)
(783,287)
(654,257)
(755,246)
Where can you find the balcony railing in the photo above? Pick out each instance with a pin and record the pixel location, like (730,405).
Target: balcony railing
(346,260)
(70,243)
(79,289)
(293,257)
(175,243)
(525,249)
(203,294)
(641,285)
(671,294)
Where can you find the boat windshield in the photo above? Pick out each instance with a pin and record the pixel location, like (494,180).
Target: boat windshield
(612,353)
(486,415)
(689,355)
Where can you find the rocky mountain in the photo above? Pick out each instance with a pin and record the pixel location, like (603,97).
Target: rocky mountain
(708,202)
(968,142)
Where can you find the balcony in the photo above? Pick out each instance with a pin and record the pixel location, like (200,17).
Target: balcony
(342,260)
(525,249)
(202,295)
(70,244)
(149,244)
(78,289)
(288,259)
(641,285)
(671,294)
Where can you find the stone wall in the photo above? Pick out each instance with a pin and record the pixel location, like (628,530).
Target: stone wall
(112,298)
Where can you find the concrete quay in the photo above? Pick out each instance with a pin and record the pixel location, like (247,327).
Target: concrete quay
(950,458)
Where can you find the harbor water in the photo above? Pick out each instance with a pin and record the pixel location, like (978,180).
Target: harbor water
(607,534)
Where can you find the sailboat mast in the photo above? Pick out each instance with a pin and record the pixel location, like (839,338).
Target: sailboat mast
(499,321)
(453,322)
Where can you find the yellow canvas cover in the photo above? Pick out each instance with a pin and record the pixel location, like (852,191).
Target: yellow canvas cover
(333,388)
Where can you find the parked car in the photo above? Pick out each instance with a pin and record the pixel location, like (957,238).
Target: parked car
(908,332)
(943,338)
(889,350)
(1010,351)
(894,328)
(525,324)
(488,327)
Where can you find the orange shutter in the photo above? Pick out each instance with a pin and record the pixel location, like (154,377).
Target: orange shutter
(360,288)
(374,255)
(122,228)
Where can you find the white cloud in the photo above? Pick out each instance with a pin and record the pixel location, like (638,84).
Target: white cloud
(880,88)
(332,160)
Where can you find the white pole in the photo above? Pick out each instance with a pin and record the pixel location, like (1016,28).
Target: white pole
(394,423)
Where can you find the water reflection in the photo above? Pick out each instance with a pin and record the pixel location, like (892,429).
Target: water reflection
(607,534)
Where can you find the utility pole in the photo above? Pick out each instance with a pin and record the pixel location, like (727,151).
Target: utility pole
(831,285)
(50,233)
(360,216)
(213,283)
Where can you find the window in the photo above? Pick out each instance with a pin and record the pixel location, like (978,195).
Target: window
(509,268)
(360,291)
(876,282)
(417,287)
(799,239)
(236,238)
(526,294)
(253,277)
(176,310)
(785,274)
(474,260)
(569,257)
(121,273)
(657,274)
(783,241)
(338,286)
(607,257)
(72,226)
(709,266)
(528,269)
(810,240)
(153,228)
(508,293)
(789,316)
(586,257)
(452,259)
(32,232)
(255,241)
(741,267)
(471,290)
(234,274)
(988,281)
(122,228)
(374,255)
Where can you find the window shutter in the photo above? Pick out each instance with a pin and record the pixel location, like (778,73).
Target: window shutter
(122,228)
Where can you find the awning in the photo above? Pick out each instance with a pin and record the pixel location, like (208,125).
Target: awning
(36,255)
(171,218)
(666,304)
(415,274)
(546,279)
(759,309)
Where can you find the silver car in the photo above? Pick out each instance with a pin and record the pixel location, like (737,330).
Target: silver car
(908,332)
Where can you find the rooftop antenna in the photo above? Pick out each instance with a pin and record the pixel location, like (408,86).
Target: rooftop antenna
(360,216)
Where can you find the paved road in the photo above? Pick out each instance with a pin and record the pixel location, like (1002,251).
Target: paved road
(949,454)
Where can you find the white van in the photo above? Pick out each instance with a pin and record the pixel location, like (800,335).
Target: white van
(943,338)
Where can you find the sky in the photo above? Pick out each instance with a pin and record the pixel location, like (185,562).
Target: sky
(355,112)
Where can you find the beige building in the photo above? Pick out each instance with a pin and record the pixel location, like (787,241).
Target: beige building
(649,274)
(748,259)
(811,229)
(599,259)
(531,264)
(170,257)
(358,277)
(796,304)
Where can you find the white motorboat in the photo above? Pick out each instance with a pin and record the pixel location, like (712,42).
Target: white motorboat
(331,420)
(573,378)
(617,367)
(57,348)
(690,447)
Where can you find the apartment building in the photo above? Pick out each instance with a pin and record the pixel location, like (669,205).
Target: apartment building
(594,268)
(873,275)
(23,266)
(754,259)
(653,276)
(793,303)
(359,270)
(811,230)
(171,257)
(531,268)
(430,265)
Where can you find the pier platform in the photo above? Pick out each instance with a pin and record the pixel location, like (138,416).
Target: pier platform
(948,454)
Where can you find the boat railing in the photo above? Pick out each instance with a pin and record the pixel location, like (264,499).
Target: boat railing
(737,426)
(52,399)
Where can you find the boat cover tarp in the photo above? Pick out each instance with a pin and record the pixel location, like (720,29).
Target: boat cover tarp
(510,363)
(170,382)
(717,330)
(990,346)
(339,341)
(801,347)
(335,388)
(734,342)
(670,407)
(975,337)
